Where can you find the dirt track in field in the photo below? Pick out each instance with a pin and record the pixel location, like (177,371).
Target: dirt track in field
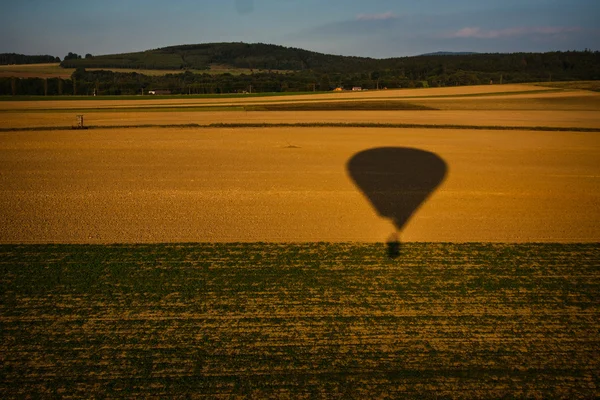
(273,184)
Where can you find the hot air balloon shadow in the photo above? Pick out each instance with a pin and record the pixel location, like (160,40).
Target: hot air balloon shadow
(397,181)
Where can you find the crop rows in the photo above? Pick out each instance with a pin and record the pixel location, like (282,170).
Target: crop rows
(279,320)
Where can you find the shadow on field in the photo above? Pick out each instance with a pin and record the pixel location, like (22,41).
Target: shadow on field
(396,180)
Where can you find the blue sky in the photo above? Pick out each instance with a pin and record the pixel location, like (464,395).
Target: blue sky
(372,28)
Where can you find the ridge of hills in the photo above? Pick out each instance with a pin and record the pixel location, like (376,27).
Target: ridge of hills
(236,55)
(270,57)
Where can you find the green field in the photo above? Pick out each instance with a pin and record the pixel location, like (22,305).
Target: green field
(300,320)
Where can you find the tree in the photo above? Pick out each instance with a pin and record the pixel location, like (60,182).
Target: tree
(72,56)
(325,84)
(88,55)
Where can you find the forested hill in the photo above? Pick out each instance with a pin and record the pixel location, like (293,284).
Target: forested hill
(237,55)
(13,58)
(265,57)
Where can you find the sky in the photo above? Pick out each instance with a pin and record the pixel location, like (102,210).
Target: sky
(367,28)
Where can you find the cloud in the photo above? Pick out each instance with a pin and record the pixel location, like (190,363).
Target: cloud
(376,17)
(478,33)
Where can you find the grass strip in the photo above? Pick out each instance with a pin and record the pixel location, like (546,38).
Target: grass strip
(311,125)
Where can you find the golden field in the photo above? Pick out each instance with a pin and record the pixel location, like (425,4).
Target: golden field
(176,184)
(507,105)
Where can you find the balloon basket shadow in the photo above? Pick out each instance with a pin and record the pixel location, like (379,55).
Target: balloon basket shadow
(393,247)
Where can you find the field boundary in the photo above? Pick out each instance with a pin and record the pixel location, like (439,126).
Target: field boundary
(242,125)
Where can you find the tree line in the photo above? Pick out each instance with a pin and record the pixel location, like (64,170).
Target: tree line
(13,58)
(422,71)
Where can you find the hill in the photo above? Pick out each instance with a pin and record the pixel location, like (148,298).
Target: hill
(235,55)
(572,65)
(449,53)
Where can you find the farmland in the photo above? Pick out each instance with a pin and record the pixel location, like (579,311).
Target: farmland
(54,70)
(223,247)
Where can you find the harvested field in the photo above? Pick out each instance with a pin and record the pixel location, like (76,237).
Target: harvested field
(321,320)
(510,105)
(49,70)
(289,184)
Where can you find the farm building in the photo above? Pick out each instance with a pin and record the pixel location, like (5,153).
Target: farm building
(159,91)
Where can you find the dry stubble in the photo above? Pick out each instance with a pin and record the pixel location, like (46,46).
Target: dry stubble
(270,184)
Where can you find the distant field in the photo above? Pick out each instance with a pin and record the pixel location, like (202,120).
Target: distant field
(53,70)
(506,105)
(582,85)
(455,94)
(299,320)
(35,71)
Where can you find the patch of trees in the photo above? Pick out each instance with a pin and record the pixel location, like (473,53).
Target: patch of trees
(36,86)
(13,58)
(72,56)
